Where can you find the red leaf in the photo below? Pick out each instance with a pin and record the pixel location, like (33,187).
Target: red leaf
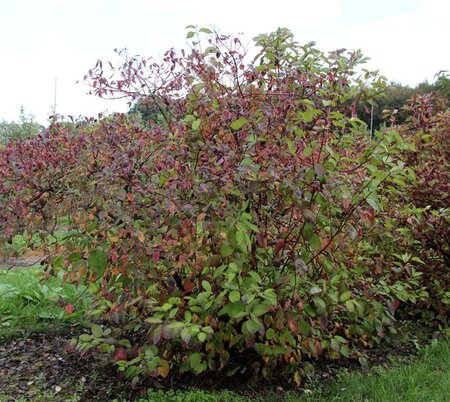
(188,286)
(292,325)
(279,246)
(172,209)
(120,354)
(69,309)
(261,240)
(156,256)
(393,306)
(371,214)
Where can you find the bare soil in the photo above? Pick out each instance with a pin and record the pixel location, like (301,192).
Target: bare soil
(39,368)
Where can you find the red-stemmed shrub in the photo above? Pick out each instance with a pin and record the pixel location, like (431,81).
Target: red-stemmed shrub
(236,223)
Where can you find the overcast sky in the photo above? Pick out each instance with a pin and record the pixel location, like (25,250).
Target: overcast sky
(407,40)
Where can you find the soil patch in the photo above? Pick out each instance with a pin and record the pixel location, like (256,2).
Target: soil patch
(39,368)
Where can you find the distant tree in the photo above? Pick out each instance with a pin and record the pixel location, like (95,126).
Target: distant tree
(152,110)
(442,84)
(396,96)
(26,127)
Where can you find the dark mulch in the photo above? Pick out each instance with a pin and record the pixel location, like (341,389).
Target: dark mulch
(39,368)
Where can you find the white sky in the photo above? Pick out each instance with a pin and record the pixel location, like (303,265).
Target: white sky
(407,40)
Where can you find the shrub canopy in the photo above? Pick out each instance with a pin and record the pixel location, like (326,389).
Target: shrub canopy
(244,221)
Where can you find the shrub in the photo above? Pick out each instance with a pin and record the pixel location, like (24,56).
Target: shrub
(428,129)
(235,234)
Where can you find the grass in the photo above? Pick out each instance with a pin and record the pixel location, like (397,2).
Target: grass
(195,396)
(426,378)
(26,305)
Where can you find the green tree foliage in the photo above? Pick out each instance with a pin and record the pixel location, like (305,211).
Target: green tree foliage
(26,127)
(388,106)
(442,84)
(149,110)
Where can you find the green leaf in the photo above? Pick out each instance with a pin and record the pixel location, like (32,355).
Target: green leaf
(205,30)
(304,327)
(335,345)
(186,335)
(307,152)
(260,348)
(374,204)
(97,261)
(208,330)
(309,310)
(196,124)
(190,35)
(315,242)
(234,310)
(154,320)
(350,306)
(75,256)
(251,326)
(85,337)
(279,350)
(308,231)
(234,296)
(260,309)
(345,296)
(308,115)
(97,331)
(270,333)
(226,251)
(237,124)
(187,316)
(309,176)
(345,351)
(335,279)
(321,307)
(195,360)
(290,146)
(206,286)
(315,290)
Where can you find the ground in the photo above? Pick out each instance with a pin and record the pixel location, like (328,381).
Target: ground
(39,368)
(37,365)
